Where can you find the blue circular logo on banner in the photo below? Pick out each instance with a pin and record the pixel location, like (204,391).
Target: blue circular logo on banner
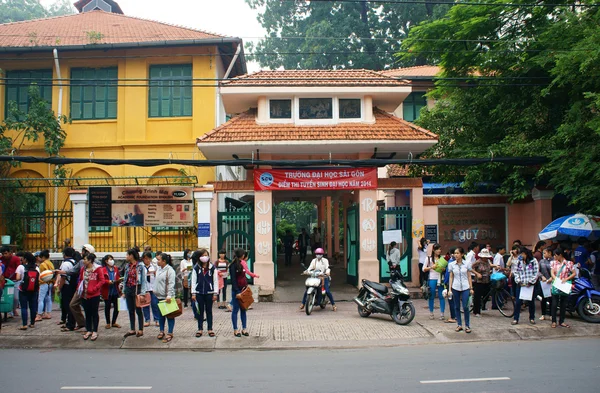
(266,179)
(576,221)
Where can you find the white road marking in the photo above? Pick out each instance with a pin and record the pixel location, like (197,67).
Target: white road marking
(467,380)
(106,388)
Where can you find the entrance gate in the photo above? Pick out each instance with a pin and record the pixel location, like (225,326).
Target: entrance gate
(352,245)
(236,230)
(392,219)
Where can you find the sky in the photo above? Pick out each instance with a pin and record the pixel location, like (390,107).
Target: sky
(233,18)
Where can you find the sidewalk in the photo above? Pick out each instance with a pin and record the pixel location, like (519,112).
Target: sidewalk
(282,326)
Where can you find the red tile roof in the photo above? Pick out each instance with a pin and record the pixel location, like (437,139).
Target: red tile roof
(418,71)
(395,170)
(73,30)
(244,128)
(315,78)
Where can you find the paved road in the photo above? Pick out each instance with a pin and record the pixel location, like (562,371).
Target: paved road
(549,366)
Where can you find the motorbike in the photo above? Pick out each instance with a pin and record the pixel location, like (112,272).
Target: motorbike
(584,298)
(315,290)
(394,301)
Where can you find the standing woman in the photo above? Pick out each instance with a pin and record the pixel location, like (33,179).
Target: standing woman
(45,296)
(238,283)
(164,289)
(435,266)
(462,287)
(205,289)
(185,266)
(29,288)
(545,277)
(422,250)
(135,284)
(563,270)
(393,255)
(93,278)
(222,268)
(525,271)
(150,277)
(482,269)
(110,291)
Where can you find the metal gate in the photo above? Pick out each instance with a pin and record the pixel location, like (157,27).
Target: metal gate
(392,219)
(236,230)
(352,245)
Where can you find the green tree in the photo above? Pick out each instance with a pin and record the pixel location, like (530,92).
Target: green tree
(20,10)
(336,34)
(517,81)
(16,132)
(301,214)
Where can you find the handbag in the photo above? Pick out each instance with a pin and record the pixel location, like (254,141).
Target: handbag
(144,300)
(179,310)
(245,298)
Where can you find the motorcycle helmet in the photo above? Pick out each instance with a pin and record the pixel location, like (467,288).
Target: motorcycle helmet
(89,248)
(319,251)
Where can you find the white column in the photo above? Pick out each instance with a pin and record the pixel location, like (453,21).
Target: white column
(368,266)
(80,219)
(203,200)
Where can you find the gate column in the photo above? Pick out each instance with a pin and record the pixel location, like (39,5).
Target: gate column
(263,242)
(79,198)
(416,204)
(206,226)
(368,267)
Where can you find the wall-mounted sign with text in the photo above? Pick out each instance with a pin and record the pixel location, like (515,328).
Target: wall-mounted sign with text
(315,179)
(141,206)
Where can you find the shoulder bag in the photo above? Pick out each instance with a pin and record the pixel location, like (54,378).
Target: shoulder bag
(245,298)
(144,300)
(179,310)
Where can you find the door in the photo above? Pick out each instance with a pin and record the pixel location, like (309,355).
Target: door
(352,242)
(236,230)
(393,219)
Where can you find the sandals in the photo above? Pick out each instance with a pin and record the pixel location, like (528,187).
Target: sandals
(107,326)
(334,307)
(160,336)
(468,330)
(458,329)
(66,329)
(564,325)
(38,318)
(450,320)
(94,337)
(211,334)
(146,324)
(140,334)
(31,326)
(116,325)
(245,333)
(553,326)
(23,328)
(199,333)
(78,328)
(301,307)
(87,335)
(237,334)
(129,334)
(514,323)
(532,321)
(168,338)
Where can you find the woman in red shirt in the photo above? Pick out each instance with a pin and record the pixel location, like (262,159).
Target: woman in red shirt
(92,278)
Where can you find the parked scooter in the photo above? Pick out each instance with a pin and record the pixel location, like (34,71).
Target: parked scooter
(584,298)
(315,290)
(395,301)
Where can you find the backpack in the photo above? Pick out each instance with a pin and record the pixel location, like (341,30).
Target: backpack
(30,281)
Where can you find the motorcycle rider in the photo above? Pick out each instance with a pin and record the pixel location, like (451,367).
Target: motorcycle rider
(321,264)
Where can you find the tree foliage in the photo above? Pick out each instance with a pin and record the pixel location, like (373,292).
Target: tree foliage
(528,85)
(20,10)
(301,214)
(336,34)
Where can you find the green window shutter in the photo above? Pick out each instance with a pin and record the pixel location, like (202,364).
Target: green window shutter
(18,83)
(96,97)
(412,106)
(170,91)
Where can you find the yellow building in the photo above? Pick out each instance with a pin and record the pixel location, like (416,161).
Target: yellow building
(133,88)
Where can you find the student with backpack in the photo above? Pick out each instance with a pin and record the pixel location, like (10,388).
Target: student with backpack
(205,289)
(29,289)
(67,286)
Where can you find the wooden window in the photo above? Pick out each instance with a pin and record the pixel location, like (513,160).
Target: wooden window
(18,83)
(94,93)
(412,105)
(170,91)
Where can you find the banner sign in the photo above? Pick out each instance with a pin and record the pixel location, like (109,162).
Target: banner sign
(315,179)
(141,206)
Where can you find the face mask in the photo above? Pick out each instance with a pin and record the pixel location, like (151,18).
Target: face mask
(110,262)
(319,257)
(204,259)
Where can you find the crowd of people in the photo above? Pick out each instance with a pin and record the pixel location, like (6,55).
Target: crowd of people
(458,277)
(141,286)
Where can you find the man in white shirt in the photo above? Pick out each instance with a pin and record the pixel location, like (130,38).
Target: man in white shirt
(499,257)
(472,254)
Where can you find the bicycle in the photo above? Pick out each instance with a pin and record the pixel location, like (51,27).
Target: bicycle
(503,299)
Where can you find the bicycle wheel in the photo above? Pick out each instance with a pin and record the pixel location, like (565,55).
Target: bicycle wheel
(505,303)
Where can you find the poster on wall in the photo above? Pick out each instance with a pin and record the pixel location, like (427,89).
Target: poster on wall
(462,225)
(315,179)
(141,206)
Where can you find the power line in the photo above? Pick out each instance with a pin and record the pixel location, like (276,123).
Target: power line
(459,3)
(520,161)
